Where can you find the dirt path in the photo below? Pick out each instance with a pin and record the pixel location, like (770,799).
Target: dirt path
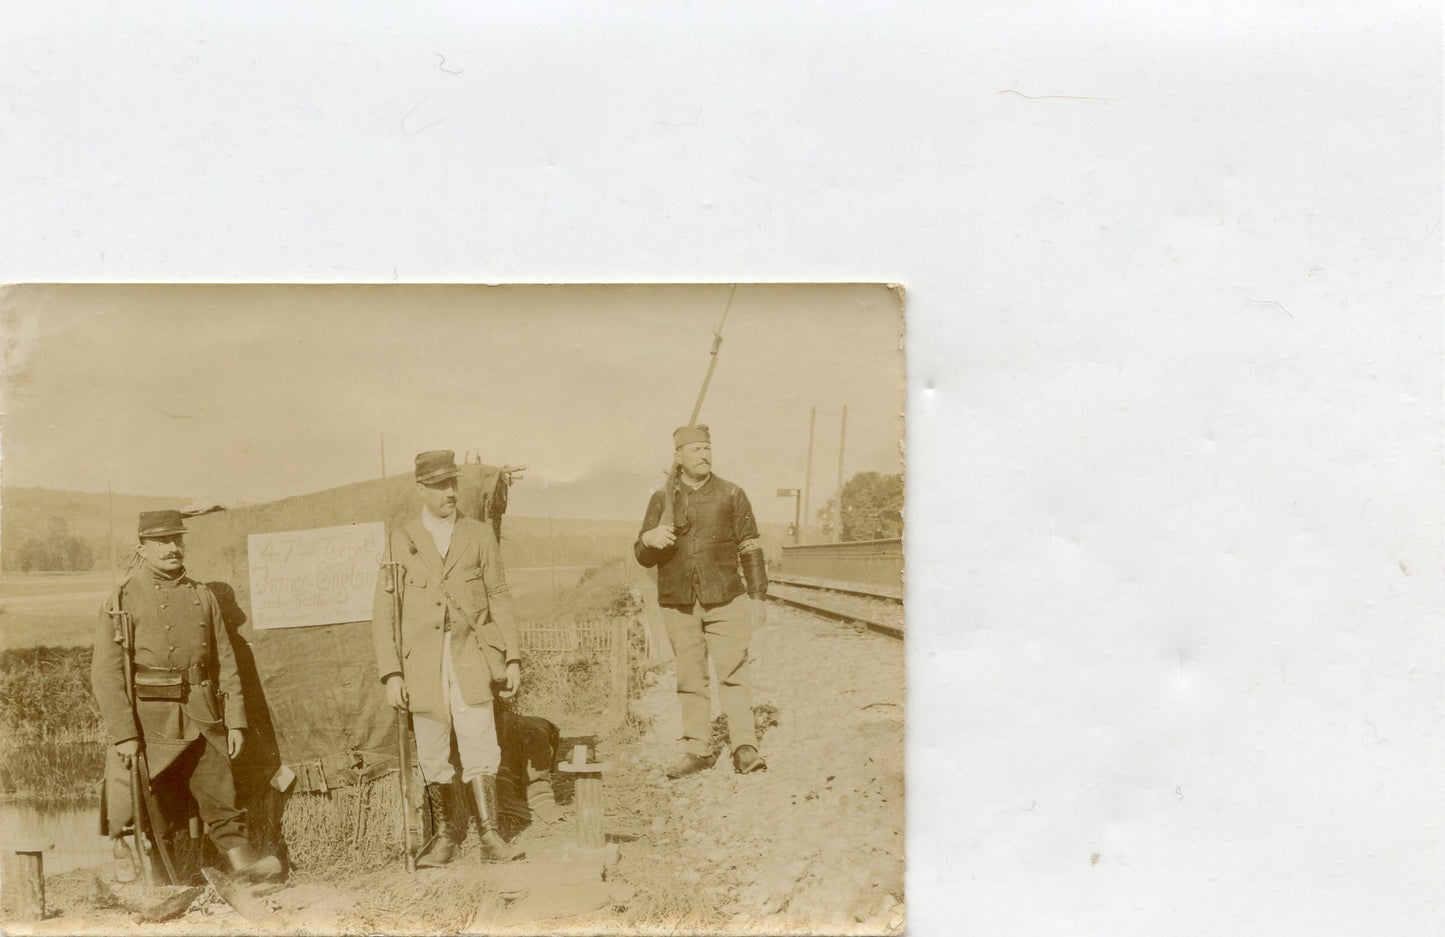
(816,842)
(812,845)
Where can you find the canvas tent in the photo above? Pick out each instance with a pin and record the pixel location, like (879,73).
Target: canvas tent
(313,696)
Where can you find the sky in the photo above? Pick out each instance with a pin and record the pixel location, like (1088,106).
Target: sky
(234,394)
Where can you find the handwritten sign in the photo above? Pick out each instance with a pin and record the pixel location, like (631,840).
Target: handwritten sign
(314,577)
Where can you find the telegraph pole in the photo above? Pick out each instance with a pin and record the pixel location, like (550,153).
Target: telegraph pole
(842,436)
(808,476)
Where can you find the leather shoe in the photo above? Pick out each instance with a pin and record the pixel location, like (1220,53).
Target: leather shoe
(746,760)
(690,764)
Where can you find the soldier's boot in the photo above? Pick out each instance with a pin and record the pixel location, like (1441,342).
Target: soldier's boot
(124,868)
(250,866)
(494,848)
(441,848)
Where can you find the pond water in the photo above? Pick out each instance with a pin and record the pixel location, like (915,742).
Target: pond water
(73,831)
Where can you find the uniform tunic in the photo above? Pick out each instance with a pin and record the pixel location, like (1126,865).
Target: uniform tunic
(178,626)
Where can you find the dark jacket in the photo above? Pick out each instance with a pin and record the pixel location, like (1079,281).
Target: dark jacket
(714,525)
(178,627)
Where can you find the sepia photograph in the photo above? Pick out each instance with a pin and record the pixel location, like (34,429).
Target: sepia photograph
(390,609)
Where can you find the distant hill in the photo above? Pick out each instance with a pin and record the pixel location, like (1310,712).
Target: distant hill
(529,537)
(605,493)
(36,513)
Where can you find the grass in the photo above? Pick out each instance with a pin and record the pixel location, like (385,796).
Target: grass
(53,744)
(51,735)
(56,609)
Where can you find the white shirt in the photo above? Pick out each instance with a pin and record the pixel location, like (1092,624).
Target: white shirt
(440,529)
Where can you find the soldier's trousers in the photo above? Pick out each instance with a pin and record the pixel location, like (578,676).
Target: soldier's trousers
(207,773)
(720,632)
(476,731)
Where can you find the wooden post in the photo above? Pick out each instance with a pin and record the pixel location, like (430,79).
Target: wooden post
(659,648)
(619,669)
(588,796)
(808,472)
(24,875)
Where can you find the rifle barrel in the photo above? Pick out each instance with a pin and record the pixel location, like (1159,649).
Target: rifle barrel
(403,757)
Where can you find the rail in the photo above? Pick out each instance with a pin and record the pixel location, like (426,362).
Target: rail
(876,611)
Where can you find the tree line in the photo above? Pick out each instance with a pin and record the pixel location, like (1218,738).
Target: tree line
(56,550)
(872,508)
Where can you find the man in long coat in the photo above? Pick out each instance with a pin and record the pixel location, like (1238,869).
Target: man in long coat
(458,641)
(188,713)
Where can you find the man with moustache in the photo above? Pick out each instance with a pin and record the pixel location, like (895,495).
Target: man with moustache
(459,641)
(188,712)
(705,607)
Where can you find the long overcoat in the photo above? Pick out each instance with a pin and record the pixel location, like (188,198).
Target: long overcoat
(177,626)
(462,596)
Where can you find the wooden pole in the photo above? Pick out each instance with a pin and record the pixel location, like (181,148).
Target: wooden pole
(808,474)
(24,875)
(589,811)
(587,794)
(842,436)
(619,669)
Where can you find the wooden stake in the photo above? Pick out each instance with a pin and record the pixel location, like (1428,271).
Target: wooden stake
(588,796)
(24,875)
(619,669)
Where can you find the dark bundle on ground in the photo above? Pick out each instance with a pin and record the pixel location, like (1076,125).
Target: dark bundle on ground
(51,736)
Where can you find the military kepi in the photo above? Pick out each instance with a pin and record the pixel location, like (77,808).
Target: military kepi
(160,524)
(436,466)
(686,434)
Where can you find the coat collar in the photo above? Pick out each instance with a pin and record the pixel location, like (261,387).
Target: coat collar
(422,545)
(426,548)
(461,540)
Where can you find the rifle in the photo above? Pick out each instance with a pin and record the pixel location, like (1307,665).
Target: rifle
(145,811)
(403,756)
(668,496)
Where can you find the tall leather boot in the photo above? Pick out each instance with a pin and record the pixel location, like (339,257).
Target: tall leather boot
(441,848)
(494,848)
(250,866)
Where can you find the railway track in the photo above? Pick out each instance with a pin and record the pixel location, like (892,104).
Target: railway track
(877,608)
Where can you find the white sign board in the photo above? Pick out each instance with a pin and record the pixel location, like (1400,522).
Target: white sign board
(314,577)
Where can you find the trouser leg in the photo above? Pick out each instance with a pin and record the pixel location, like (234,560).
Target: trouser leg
(214,789)
(684,630)
(728,629)
(434,746)
(475,725)
(434,729)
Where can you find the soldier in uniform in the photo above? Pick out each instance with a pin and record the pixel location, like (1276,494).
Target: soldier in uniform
(705,607)
(189,712)
(458,641)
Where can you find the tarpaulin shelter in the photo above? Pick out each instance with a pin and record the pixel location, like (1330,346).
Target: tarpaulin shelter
(312,693)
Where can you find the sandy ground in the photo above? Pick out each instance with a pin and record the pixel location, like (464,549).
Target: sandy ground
(813,845)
